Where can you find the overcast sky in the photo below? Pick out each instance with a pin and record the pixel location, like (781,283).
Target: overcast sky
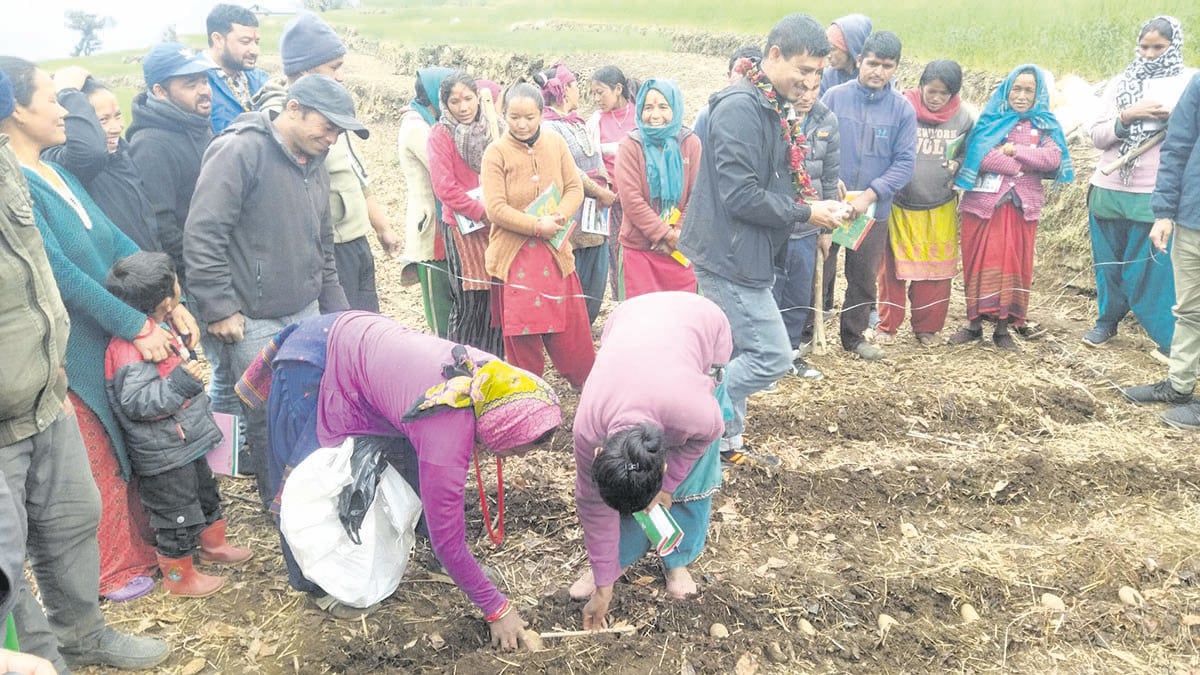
(40,32)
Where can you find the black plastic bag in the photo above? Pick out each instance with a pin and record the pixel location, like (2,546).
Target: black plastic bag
(366,466)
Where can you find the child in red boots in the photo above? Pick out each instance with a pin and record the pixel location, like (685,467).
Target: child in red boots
(168,425)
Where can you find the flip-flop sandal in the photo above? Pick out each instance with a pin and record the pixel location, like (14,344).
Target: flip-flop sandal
(136,588)
(1004,341)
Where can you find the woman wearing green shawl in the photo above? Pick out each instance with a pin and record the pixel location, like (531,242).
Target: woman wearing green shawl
(656,168)
(424,250)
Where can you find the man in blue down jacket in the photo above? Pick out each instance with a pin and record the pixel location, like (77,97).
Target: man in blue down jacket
(745,205)
(879,153)
(259,239)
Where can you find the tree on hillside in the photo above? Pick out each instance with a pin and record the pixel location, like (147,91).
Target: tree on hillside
(89,26)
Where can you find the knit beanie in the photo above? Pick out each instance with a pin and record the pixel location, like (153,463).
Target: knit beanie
(7,102)
(308,42)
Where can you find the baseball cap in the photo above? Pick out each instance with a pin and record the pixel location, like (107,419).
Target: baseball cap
(328,97)
(172,59)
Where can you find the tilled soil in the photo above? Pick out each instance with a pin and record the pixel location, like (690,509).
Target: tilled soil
(913,487)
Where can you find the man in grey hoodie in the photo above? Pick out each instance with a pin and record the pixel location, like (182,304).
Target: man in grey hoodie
(259,238)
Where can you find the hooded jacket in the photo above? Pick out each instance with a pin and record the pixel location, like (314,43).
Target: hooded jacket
(163,410)
(743,205)
(879,139)
(856,28)
(824,159)
(110,177)
(166,145)
(259,238)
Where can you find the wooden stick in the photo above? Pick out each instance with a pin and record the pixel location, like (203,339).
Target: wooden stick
(1142,148)
(819,304)
(584,633)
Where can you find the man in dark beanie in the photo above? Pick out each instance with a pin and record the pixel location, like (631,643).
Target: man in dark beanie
(309,45)
(43,464)
(259,237)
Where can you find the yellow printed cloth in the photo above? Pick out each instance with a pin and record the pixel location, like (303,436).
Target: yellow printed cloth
(925,243)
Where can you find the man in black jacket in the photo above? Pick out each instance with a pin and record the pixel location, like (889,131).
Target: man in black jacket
(748,200)
(168,136)
(259,238)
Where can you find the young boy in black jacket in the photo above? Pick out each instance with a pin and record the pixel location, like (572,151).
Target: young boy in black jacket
(169,427)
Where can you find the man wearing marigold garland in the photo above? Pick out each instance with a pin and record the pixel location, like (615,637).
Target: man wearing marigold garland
(751,191)
(879,153)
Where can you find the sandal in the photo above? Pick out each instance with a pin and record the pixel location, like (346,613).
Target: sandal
(964,335)
(1004,341)
(928,339)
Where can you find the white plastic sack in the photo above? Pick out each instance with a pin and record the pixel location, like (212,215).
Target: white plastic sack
(357,575)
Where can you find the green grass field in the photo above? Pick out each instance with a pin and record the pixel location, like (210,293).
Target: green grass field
(1092,38)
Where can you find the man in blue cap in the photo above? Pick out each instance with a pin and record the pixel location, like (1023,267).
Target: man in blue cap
(44,474)
(258,243)
(168,136)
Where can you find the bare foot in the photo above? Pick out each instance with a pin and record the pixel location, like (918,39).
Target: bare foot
(583,588)
(680,583)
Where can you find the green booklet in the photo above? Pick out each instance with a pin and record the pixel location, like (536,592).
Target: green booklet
(851,232)
(547,205)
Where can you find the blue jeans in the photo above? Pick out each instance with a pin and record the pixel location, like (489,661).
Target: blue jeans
(761,351)
(794,286)
(231,360)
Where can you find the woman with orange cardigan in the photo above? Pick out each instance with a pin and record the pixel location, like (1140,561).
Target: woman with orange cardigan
(540,302)
(656,167)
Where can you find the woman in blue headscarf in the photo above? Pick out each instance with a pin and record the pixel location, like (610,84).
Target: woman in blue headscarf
(656,168)
(1016,144)
(424,247)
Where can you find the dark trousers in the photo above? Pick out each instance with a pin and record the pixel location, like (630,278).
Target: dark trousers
(181,502)
(356,272)
(862,271)
(794,286)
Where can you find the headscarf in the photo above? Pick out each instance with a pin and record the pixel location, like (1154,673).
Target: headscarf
(997,119)
(1130,87)
(471,139)
(660,145)
(512,406)
(554,90)
(431,80)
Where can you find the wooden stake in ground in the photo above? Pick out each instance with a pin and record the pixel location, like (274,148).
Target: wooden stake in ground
(819,304)
(585,633)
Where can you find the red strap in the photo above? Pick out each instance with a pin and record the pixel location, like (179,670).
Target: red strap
(495,533)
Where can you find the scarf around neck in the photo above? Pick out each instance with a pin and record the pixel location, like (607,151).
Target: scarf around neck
(927,116)
(470,139)
(1131,87)
(660,145)
(998,118)
(790,127)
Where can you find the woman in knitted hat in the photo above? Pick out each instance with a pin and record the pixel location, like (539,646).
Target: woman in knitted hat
(362,374)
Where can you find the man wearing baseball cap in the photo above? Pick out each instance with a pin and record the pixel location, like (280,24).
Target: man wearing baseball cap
(308,45)
(258,243)
(168,136)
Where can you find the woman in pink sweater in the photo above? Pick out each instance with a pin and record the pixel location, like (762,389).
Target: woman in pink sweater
(646,433)
(456,145)
(1016,144)
(656,168)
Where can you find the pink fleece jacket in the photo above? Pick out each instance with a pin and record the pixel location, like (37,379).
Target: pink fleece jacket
(1037,158)
(655,356)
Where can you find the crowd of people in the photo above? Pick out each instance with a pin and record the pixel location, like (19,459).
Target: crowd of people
(233,215)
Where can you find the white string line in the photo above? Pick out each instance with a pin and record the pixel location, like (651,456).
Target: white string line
(1063,288)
